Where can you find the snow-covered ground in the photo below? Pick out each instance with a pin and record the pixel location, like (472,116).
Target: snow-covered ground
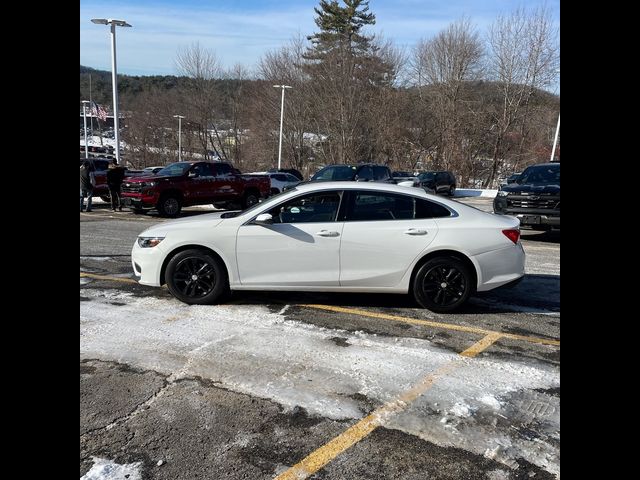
(249,349)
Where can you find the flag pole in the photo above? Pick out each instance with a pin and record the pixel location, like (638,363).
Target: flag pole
(91,104)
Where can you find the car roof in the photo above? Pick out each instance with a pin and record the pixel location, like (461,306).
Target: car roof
(379,186)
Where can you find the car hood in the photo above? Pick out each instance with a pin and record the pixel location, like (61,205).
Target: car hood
(531,189)
(149,178)
(207,220)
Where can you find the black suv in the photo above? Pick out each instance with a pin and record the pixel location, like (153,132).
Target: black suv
(363,172)
(534,197)
(439,182)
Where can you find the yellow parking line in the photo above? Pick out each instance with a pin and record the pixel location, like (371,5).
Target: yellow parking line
(106,277)
(325,454)
(428,323)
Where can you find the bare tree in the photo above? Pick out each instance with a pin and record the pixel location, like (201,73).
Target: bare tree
(446,65)
(524,57)
(201,97)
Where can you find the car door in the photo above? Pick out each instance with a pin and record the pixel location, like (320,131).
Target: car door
(225,183)
(199,178)
(301,247)
(383,234)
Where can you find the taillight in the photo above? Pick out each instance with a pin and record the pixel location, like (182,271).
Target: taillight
(512,234)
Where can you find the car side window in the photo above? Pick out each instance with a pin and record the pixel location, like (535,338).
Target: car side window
(368,206)
(427,209)
(315,207)
(380,173)
(365,173)
(224,169)
(280,177)
(206,170)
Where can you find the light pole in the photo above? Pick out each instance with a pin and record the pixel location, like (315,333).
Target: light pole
(555,140)
(179,117)
(114,74)
(84,114)
(281,116)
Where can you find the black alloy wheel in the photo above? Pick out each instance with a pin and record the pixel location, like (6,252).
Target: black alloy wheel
(196,277)
(443,284)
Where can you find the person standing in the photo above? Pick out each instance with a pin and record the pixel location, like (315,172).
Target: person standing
(87,182)
(115,176)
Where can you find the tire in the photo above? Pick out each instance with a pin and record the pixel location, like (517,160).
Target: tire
(169,205)
(249,199)
(443,284)
(452,190)
(106,198)
(211,282)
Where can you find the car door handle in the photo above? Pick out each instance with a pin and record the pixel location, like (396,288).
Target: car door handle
(327,233)
(415,231)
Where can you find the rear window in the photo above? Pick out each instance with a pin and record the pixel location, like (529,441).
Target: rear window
(335,172)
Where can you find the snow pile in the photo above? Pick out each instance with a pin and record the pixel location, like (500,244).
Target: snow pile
(475,192)
(103,469)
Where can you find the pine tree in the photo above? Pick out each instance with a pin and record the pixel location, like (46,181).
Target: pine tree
(346,73)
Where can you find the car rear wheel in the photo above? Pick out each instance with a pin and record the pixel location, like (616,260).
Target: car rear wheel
(169,206)
(452,190)
(443,284)
(197,277)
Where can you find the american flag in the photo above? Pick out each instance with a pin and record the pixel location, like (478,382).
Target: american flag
(98,111)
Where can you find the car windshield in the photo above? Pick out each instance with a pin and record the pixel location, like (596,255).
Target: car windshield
(335,172)
(541,175)
(427,176)
(175,169)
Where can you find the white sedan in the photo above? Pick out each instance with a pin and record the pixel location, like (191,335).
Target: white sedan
(336,237)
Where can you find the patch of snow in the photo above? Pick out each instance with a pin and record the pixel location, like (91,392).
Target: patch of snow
(104,469)
(248,349)
(490,401)
(460,410)
(475,192)
(97,259)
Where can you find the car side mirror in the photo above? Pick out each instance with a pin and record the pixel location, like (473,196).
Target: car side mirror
(264,219)
(193,174)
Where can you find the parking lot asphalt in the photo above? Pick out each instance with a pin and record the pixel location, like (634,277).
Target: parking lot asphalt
(296,385)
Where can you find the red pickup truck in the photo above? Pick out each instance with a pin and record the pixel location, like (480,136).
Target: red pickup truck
(183,184)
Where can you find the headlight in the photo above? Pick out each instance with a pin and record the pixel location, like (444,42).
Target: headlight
(149,184)
(149,242)
(502,193)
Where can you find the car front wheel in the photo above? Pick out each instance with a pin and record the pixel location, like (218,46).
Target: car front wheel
(197,277)
(443,284)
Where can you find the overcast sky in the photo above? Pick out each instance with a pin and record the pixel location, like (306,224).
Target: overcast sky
(241,31)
